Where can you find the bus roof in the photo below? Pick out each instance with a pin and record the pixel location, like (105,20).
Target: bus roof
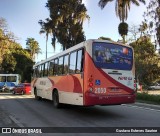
(80,45)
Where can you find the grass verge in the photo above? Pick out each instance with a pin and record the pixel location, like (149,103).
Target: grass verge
(148,98)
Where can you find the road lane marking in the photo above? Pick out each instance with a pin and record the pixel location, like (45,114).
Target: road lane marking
(140,107)
(16,121)
(16,96)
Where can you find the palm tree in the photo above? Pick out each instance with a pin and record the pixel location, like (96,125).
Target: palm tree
(123,30)
(46,28)
(67,19)
(33,47)
(121,8)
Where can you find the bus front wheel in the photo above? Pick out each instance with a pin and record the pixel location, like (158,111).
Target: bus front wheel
(56,99)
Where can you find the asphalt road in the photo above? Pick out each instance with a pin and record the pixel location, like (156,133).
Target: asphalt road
(25,111)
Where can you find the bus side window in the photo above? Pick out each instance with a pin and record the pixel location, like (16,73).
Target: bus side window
(46,69)
(66,64)
(51,67)
(37,73)
(60,66)
(72,62)
(82,60)
(56,67)
(79,66)
(44,65)
(34,72)
(41,70)
(43,74)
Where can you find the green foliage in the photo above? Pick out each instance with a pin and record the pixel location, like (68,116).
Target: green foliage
(123,28)
(8,63)
(46,28)
(152,19)
(24,65)
(66,21)
(13,58)
(158,34)
(3,24)
(149,98)
(143,28)
(121,7)
(33,47)
(105,38)
(146,61)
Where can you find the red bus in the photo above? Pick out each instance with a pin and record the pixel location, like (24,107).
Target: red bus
(94,72)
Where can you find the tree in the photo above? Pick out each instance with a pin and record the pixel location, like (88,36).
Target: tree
(146,61)
(152,19)
(13,58)
(137,31)
(33,47)
(122,7)
(3,24)
(8,63)
(46,28)
(24,65)
(143,28)
(133,33)
(67,17)
(7,38)
(8,35)
(105,38)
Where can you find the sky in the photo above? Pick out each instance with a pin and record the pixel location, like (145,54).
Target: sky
(22,17)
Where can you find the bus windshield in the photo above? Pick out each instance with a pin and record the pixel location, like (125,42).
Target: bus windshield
(112,56)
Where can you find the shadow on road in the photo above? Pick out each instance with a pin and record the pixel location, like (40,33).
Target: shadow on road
(22,106)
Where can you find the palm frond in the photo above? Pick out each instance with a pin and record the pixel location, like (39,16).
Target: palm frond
(103,3)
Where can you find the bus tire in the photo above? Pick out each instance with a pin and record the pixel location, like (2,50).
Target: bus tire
(13,92)
(36,96)
(55,98)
